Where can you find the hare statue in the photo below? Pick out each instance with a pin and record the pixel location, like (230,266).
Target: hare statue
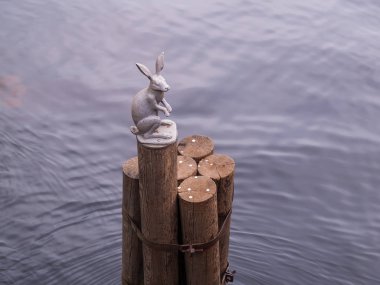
(146,103)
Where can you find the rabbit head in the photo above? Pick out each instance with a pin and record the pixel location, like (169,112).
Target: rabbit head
(157,81)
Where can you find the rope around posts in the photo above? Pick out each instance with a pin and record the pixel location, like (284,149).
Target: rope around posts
(228,276)
(185,248)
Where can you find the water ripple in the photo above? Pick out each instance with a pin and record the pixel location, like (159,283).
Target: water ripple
(289,90)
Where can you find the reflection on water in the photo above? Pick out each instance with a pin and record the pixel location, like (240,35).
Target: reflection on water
(290,90)
(11,90)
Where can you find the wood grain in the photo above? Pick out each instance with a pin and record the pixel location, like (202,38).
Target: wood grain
(132,267)
(186,167)
(199,221)
(221,169)
(158,202)
(196,147)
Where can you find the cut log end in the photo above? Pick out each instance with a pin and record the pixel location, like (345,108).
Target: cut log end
(196,147)
(195,197)
(197,184)
(186,167)
(131,168)
(216,166)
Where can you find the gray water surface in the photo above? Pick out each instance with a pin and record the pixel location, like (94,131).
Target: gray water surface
(289,89)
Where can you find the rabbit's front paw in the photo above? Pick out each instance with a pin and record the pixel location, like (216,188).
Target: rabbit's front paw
(170,109)
(167,114)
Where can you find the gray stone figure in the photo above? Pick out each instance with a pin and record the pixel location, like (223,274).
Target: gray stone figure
(146,104)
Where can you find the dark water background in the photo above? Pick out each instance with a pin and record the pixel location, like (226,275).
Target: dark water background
(289,89)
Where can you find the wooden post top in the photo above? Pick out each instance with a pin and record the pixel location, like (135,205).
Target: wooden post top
(186,167)
(197,184)
(131,168)
(195,197)
(216,166)
(196,147)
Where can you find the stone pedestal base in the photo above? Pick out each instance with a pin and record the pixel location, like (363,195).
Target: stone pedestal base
(167,127)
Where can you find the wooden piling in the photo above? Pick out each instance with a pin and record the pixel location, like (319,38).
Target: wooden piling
(221,169)
(132,273)
(186,167)
(198,211)
(150,186)
(196,147)
(158,201)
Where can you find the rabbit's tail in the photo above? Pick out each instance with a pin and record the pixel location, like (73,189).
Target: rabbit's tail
(135,130)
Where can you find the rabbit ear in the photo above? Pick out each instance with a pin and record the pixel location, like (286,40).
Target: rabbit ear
(160,63)
(144,70)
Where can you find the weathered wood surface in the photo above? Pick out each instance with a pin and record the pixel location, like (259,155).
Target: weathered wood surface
(221,169)
(158,201)
(132,267)
(196,147)
(199,220)
(186,167)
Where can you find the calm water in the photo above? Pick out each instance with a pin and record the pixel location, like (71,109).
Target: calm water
(290,89)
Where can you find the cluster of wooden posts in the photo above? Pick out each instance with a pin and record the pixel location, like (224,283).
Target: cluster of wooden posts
(177,203)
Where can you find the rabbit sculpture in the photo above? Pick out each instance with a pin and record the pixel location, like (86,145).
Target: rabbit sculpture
(146,103)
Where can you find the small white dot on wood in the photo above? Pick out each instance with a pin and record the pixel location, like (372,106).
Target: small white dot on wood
(195,177)
(206,160)
(208,190)
(190,197)
(193,140)
(180,161)
(179,187)
(211,164)
(190,165)
(188,189)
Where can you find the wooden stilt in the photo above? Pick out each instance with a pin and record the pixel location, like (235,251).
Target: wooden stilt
(186,167)
(198,209)
(132,273)
(158,201)
(221,169)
